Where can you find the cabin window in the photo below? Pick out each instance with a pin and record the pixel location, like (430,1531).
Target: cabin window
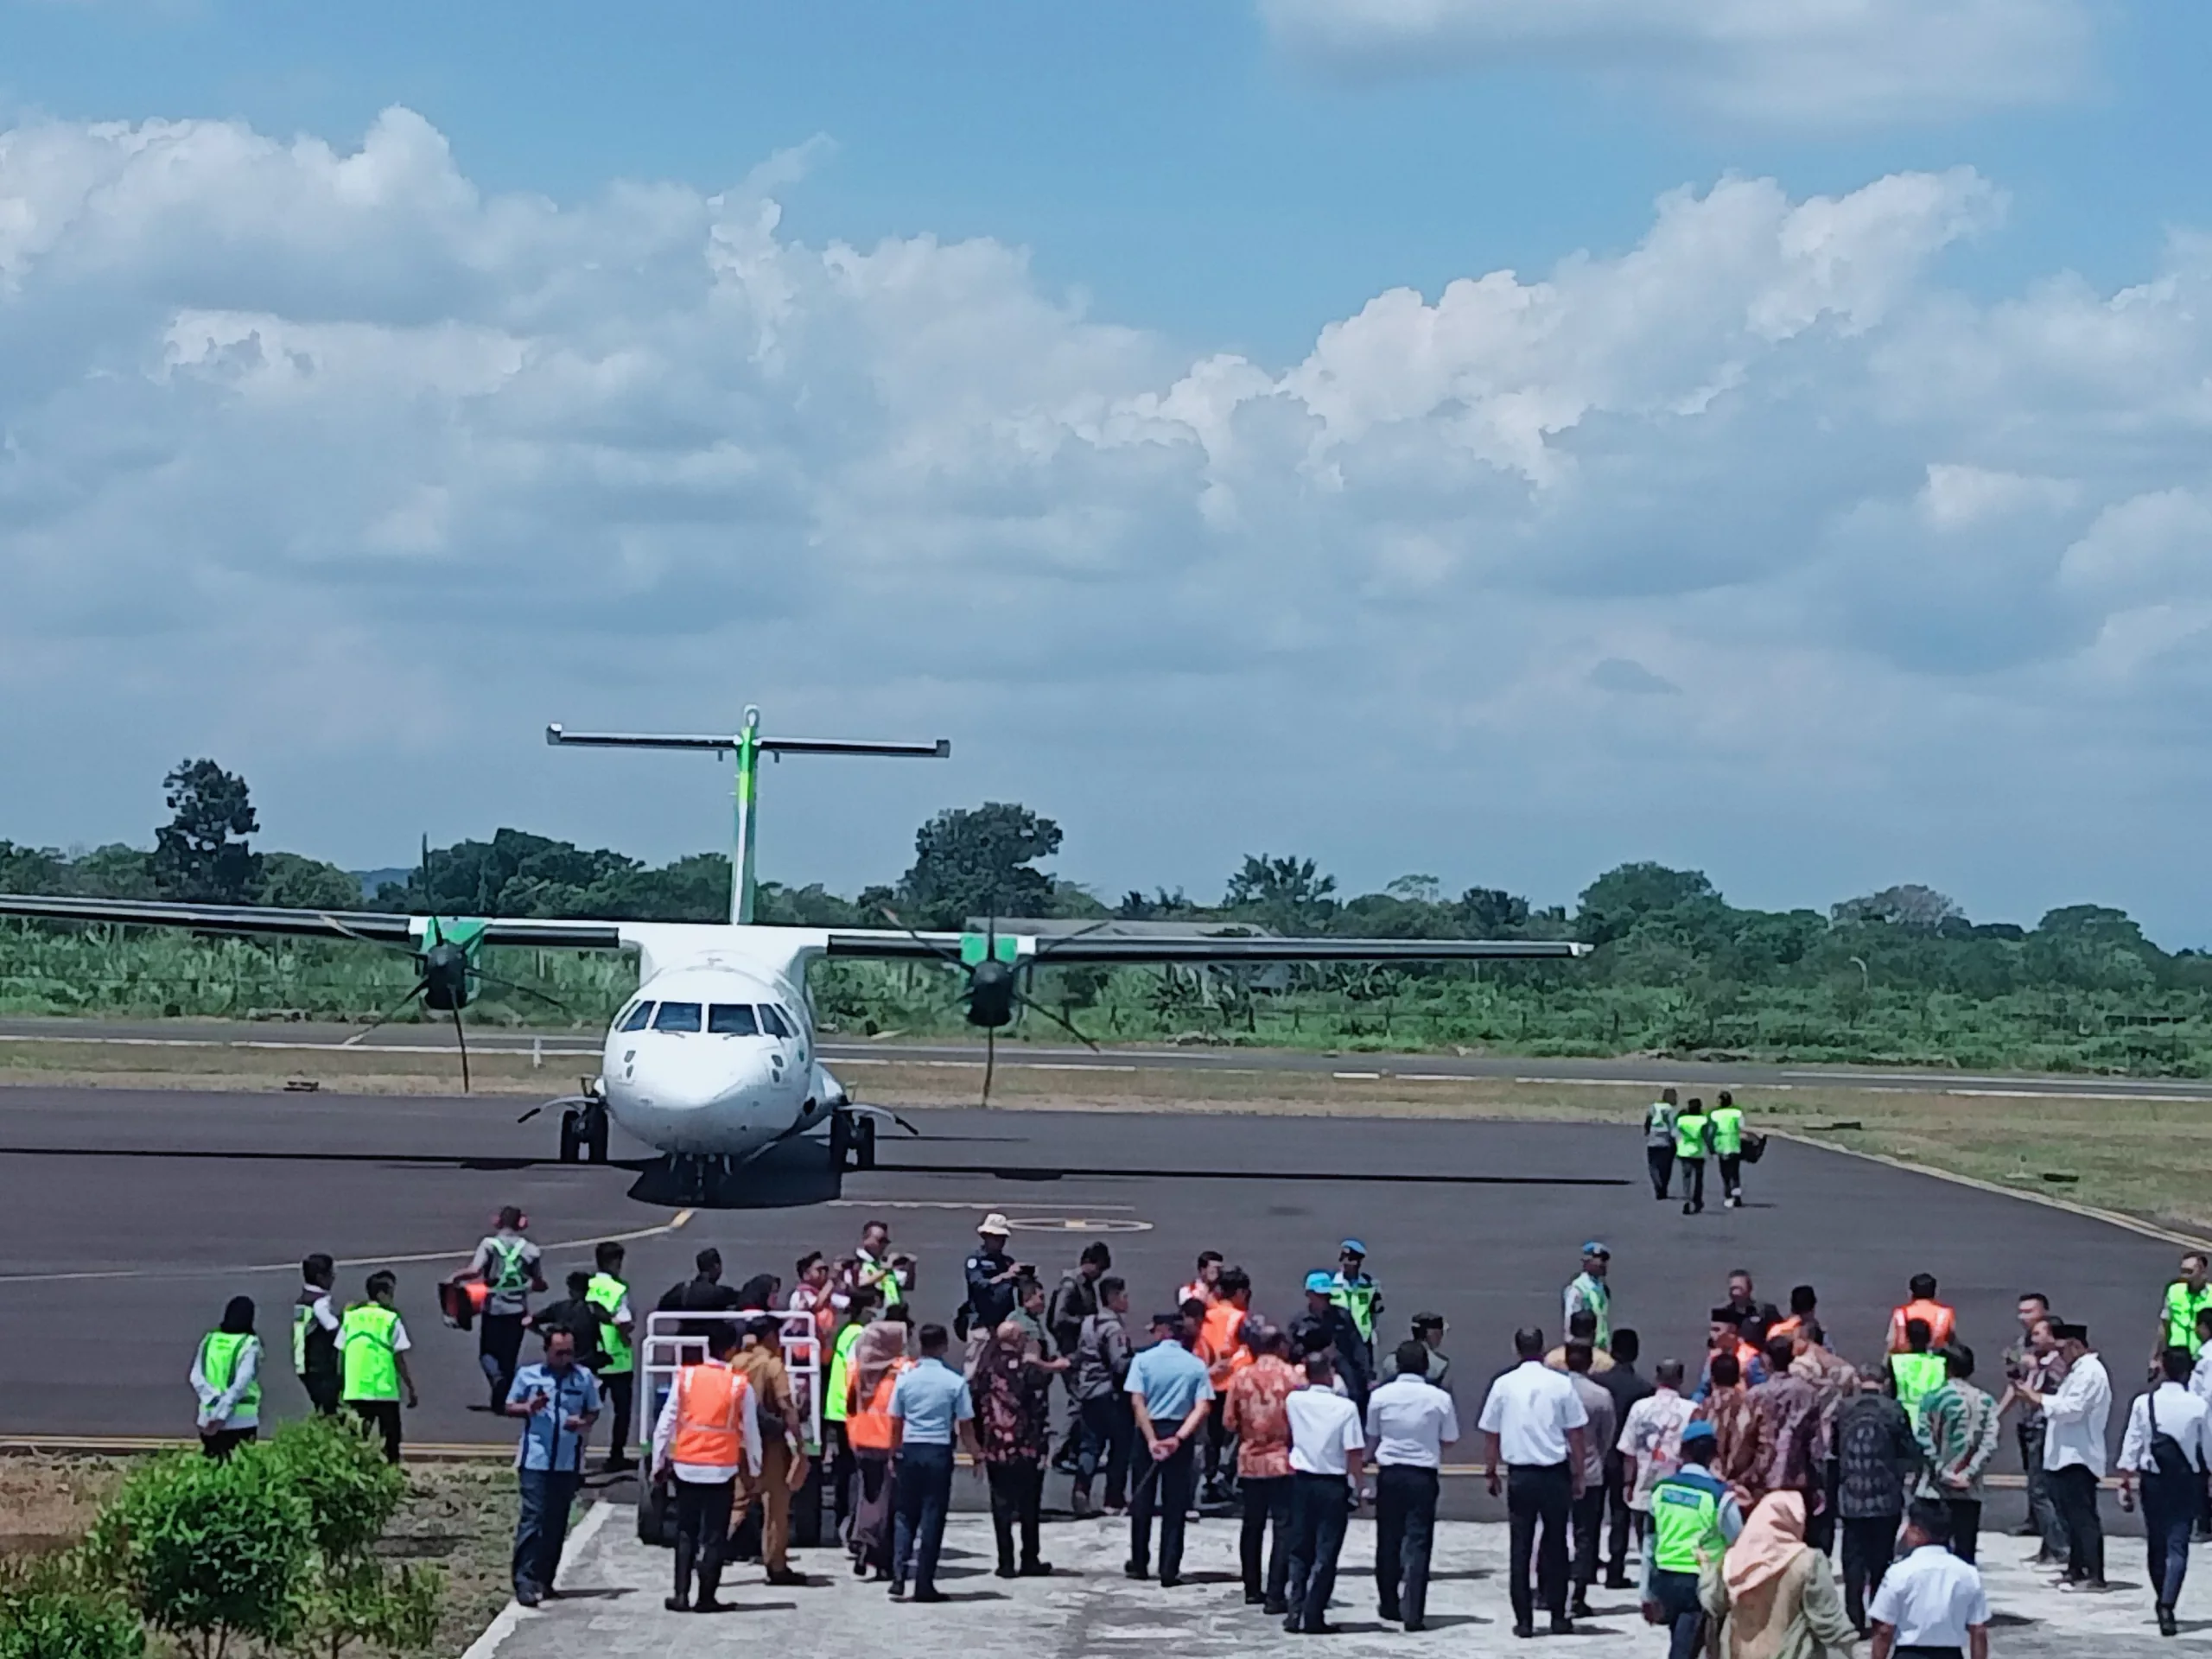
(733,1019)
(677,1016)
(639,1018)
(774,1021)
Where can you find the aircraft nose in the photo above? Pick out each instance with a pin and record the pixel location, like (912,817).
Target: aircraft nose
(691,1077)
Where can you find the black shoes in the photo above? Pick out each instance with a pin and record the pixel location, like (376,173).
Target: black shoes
(1562,1625)
(527,1594)
(928,1596)
(2167,1626)
(1034,1570)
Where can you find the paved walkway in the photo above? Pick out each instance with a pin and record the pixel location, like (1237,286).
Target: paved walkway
(615,1586)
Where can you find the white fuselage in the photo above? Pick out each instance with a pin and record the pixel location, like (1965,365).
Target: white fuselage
(714,1056)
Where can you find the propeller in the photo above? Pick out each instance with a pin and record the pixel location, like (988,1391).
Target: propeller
(992,996)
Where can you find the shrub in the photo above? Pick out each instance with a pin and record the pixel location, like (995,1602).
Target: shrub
(51,1609)
(338,1467)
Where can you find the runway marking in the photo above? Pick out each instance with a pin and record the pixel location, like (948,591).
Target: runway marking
(448,1049)
(1356,1076)
(682,1218)
(1077,1224)
(930,1203)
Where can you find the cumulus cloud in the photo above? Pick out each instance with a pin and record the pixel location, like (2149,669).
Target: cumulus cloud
(1794,60)
(326,462)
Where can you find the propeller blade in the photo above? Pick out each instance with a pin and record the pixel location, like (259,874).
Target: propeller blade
(990,1063)
(531,1113)
(388,1015)
(934,948)
(461,1037)
(1061,1020)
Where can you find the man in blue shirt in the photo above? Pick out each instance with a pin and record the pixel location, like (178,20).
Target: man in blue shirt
(558,1402)
(1169,1395)
(930,1408)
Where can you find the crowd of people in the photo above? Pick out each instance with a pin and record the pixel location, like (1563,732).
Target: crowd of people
(1733,1478)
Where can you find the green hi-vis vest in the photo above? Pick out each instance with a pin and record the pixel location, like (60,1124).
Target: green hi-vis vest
(365,1339)
(218,1363)
(508,1277)
(1597,1297)
(1357,1297)
(1659,1122)
(1727,1131)
(889,1285)
(605,1293)
(1918,1376)
(1685,1523)
(302,1322)
(1689,1135)
(841,1369)
(2182,1305)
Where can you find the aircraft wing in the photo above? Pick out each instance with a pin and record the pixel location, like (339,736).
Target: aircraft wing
(368,926)
(1229,950)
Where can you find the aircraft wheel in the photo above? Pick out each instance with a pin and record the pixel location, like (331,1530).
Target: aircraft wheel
(571,1139)
(595,1135)
(840,1141)
(864,1143)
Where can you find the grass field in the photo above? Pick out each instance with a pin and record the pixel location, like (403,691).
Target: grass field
(2150,1159)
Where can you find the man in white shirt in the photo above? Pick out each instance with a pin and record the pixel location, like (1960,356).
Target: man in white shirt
(1930,1602)
(2167,1448)
(1535,1422)
(1326,1452)
(1409,1422)
(2075,1417)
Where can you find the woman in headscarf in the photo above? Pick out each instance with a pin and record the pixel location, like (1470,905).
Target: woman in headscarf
(879,1357)
(226,1376)
(1014,1433)
(1771,1595)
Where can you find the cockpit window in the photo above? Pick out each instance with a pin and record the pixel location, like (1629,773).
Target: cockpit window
(677,1016)
(774,1019)
(639,1017)
(733,1019)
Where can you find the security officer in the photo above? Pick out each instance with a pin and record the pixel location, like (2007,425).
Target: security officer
(1358,1294)
(373,1348)
(1659,1139)
(1695,1518)
(617,1329)
(2186,1297)
(1728,1147)
(991,1272)
(1693,1139)
(315,1334)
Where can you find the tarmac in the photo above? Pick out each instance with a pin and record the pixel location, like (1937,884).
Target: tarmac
(613,1587)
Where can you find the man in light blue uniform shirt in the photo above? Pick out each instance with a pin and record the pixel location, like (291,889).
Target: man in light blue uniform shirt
(1169,1393)
(558,1402)
(932,1407)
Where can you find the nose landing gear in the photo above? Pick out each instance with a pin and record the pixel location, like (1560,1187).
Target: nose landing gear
(584,1123)
(851,1141)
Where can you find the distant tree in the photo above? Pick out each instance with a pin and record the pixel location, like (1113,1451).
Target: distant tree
(113,872)
(1616,901)
(1163,905)
(200,856)
(980,862)
(1289,895)
(1416,889)
(1491,914)
(291,882)
(1921,910)
(32,869)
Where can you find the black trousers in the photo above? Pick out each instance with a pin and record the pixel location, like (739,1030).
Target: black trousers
(1965,1526)
(621,1399)
(1660,1161)
(1820,1529)
(1405,1534)
(1693,1182)
(219,1445)
(1732,1174)
(1619,1518)
(2169,1516)
(1218,1441)
(382,1415)
(498,1347)
(1266,1503)
(2074,1489)
(702,1534)
(1017,1493)
(1587,1525)
(2043,1507)
(1538,1496)
(921,1485)
(546,1497)
(1869,1542)
(1110,1430)
(1163,1487)
(324,1389)
(1320,1507)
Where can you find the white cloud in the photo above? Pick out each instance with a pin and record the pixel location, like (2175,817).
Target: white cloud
(333,464)
(1790,61)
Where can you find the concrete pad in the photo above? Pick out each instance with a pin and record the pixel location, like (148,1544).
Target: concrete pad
(616,1585)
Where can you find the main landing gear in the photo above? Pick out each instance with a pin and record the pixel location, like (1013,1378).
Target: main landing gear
(583,1128)
(852,1141)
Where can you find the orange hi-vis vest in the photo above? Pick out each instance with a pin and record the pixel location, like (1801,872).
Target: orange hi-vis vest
(868,1428)
(1222,1339)
(1941,1321)
(711,1401)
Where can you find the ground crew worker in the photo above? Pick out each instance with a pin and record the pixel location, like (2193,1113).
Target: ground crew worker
(1659,1139)
(315,1334)
(1695,1518)
(1201,1286)
(618,1331)
(1588,1293)
(1918,1373)
(705,1437)
(506,1265)
(837,1402)
(1693,1139)
(2186,1297)
(373,1348)
(1358,1295)
(1728,1147)
(1939,1320)
(1222,1345)
(226,1376)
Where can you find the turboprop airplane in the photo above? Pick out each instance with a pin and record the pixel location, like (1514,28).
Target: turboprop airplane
(714,1059)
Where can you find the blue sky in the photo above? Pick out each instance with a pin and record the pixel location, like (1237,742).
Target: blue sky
(1841,524)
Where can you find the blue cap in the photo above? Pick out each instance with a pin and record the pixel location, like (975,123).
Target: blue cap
(1353,1246)
(1320,1284)
(1593,1248)
(1700,1430)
